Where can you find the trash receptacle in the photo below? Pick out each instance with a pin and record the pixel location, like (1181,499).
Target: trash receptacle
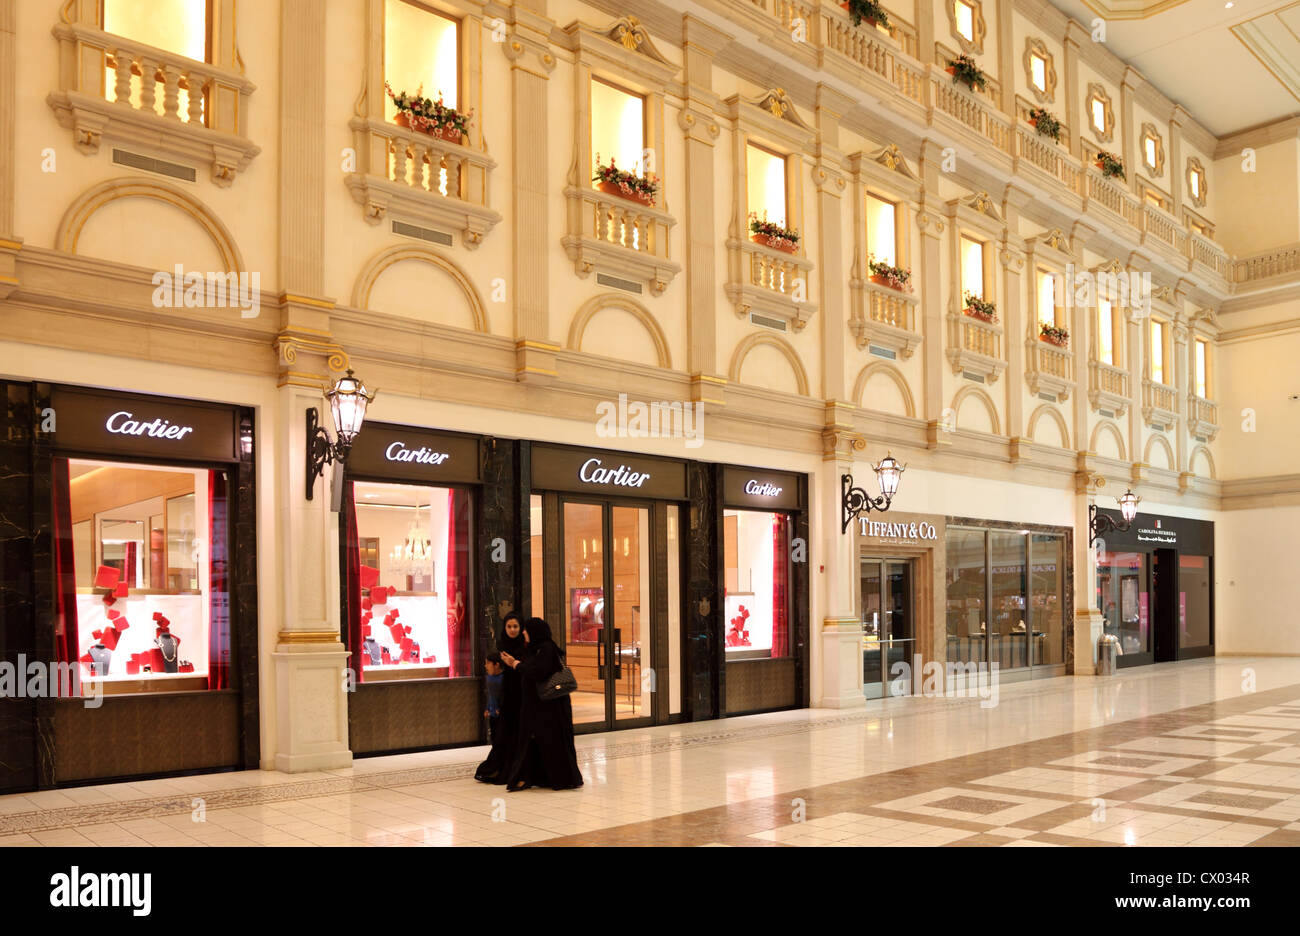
(1107,654)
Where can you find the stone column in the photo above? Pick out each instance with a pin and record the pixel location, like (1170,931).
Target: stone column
(1074,35)
(1088,622)
(1182,382)
(928,276)
(1007,56)
(841,633)
(1127,141)
(1175,162)
(531,63)
(1016,328)
(698,121)
(310,659)
(831,185)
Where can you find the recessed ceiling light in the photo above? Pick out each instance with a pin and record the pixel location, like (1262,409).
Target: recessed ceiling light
(1228,5)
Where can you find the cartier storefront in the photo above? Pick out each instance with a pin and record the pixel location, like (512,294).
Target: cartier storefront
(134,585)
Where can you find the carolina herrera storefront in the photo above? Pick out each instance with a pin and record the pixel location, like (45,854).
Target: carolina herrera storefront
(1155,588)
(129,559)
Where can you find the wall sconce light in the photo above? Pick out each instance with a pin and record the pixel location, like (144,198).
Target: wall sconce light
(855,501)
(1100,523)
(348,400)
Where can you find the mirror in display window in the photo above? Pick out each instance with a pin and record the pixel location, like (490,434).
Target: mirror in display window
(141,556)
(408,581)
(1124,600)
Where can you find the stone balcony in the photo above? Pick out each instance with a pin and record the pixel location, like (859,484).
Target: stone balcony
(975,347)
(620,237)
(884,317)
(1159,404)
(1202,417)
(1049,369)
(1108,387)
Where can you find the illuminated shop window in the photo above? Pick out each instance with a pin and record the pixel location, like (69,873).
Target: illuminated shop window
(972,267)
(765,178)
(408,580)
(882,235)
(1158,352)
(618,128)
(756,554)
(1106,332)
(421,50)
(179,26)
(141,553)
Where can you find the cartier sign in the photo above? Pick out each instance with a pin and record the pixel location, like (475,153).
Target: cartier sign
(761,489)
(90,421)
(409,453)
(589,471)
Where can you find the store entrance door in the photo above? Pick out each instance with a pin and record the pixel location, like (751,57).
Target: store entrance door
(888,632)
(606,555)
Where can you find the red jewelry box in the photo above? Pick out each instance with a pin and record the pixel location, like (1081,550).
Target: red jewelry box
(186,668)
(120,591)
(155,660)
(385,656)
(366,604)
(107,576)
(133,667)
(369,577)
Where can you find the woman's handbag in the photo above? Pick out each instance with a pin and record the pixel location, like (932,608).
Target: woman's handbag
(558,684)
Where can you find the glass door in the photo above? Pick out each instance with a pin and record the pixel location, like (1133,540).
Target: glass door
(887,630)
(607,588)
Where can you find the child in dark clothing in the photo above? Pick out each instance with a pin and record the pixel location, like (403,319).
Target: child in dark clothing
(494,681)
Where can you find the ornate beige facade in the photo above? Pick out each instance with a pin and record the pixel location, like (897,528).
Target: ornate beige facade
(516,296)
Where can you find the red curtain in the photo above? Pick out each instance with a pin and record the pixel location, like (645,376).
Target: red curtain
(128,573)
(218,584)
(458,621)
(780,586)
(353,546)
(66,639)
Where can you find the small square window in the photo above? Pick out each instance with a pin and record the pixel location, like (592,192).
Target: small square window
(972,267)
(765,176)
(965,15)
(882,237)
(1038,72)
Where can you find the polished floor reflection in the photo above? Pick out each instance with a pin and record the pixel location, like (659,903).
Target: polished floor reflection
(1173,754)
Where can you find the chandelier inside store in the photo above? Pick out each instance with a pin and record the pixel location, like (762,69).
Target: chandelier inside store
(413,556)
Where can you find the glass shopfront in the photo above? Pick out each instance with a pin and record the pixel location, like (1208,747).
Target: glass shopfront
(406,527)
(607,563)
(1155,588)
(1006,594)
(149,621)
(763,650)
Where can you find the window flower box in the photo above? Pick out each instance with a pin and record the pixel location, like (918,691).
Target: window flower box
(980,308)
(1111,166)
(882,274)
(869,11)
(624,184)
(415,112)
(773,235)
(1045,124)
(1053,335)
(964,69)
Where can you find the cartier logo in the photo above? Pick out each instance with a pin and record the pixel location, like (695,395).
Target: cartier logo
(761,488)
(400,453)
(124,423)
(592,473)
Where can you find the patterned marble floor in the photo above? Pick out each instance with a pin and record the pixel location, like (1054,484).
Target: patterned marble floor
(1197,753)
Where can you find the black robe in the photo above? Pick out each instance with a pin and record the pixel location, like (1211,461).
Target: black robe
(505,733)
(545,756)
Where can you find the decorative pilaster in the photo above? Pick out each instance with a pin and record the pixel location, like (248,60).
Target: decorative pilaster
(830,183)
(841,632)
(1011,260)
(1088,621)
(1075,34)
(1127,145)
(1181,382)
(927,275)
(527,47)
(8,118)
(698,122)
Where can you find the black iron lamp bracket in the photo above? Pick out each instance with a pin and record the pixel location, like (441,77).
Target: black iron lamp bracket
(854,502)
(1100,524)
(321,450)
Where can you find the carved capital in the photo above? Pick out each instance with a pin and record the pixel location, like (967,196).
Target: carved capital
(307,357)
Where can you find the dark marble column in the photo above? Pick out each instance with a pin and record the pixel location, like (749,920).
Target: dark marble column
(502,539)
(18,744)
(705,664)
(802,648)
(243,586)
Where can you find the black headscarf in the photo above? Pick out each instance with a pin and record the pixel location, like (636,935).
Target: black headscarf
(514,646)
(539,633)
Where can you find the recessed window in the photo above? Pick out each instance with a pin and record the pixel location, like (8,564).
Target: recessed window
(179,26)
(1157,352)
(756,582)
(1153,150)
(1039,70)
(882,236)
(1196,181)
(1105,332)
(966,22)
(421,51)
(1202,369)
(765,181)
(1047,298)
(1101,116)
(972,267)
(618,128)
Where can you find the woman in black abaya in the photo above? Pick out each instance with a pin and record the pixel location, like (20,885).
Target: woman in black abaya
(545,756)
(510,642)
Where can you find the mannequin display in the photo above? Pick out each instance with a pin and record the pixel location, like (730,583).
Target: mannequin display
(169,644)
(371,648)
(101,656)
